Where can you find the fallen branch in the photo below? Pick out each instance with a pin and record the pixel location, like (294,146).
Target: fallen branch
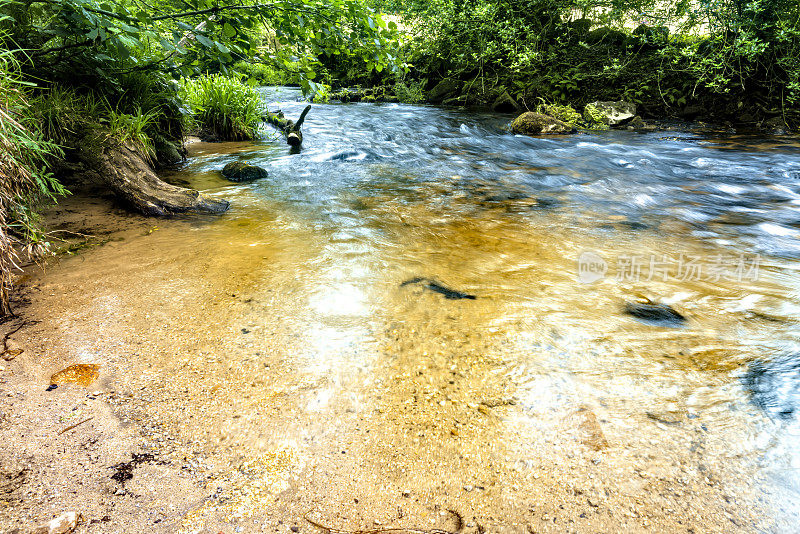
(75,425)
(289,128)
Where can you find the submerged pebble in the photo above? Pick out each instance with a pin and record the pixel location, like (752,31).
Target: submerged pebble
(82,374)
(658,314)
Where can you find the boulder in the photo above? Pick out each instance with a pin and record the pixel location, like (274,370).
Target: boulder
(442,90)
(505,103)
(239,171)
(605,35)
(613,113)
(530,123)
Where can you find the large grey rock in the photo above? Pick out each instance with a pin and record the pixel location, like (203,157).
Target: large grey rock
(614,113)
(238,171)
(530,123)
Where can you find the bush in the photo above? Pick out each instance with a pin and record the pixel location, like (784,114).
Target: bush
(412,92)
(24,181)
(223,108)
(265,74)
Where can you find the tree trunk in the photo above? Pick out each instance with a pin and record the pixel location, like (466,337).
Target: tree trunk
(125,172)
(289,128)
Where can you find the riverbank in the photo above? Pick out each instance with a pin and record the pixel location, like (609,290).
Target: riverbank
(273,363)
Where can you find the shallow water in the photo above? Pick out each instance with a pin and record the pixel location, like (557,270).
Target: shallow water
(278,333)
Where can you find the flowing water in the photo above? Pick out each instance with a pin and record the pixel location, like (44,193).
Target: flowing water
(279,346)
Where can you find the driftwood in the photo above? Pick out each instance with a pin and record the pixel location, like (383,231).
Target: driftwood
(122,169)
(288,127)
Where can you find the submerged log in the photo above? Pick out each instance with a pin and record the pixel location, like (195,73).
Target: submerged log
(108,162)
(289,128)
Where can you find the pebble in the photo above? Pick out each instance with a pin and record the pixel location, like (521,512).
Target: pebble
(469,488)
(63,524)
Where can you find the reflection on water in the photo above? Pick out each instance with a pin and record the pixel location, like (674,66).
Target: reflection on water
(294,314)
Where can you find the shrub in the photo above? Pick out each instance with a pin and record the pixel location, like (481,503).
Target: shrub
(23,179)
(412,92)
(265,74)
(223,108)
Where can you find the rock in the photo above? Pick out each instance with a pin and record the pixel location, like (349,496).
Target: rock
(605,35)
(658,314)
(581,26)
(442,90)
(83,374)
(637,123)
(167,153)
(530,123)
(774,385)
(63,524)
(238,171)
(505,104)
(613,113)
(12,350)
(775,126)
(691,112)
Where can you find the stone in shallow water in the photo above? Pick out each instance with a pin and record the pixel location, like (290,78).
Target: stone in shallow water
(774,385)
(530,123)
(238,171)
(657,314)
(83,374)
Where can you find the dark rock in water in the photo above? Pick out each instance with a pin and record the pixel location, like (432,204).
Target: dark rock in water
(530,123)
(238,171)
(505,104)
(657,314)
(774,385)
(435,286)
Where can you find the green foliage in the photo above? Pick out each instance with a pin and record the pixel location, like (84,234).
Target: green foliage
(132,129)
(223,108)
(265,74)
(593,115)
(24,180)
(564,113)
(409,91)
(663,55)
(100,39)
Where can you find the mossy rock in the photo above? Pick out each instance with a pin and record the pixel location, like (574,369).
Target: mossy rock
(581,26)
(605,35)
(239,171)
(167,152)
(610,113)
(530,123)
(443,90)
(505,103)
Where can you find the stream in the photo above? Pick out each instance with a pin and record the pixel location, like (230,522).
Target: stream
(303,349)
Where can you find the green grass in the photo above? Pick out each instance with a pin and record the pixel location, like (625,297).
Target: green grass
(223,108)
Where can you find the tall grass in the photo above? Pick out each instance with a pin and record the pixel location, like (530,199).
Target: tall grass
(223,108)
(133,128)
(24,180)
